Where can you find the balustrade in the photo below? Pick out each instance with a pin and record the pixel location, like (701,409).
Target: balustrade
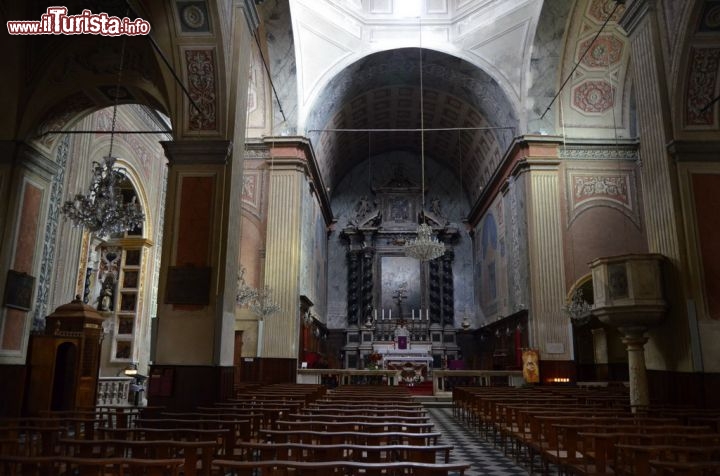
(114,391)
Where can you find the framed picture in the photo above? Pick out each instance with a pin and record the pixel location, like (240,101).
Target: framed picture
(531,365)
(19,290)
(188,285)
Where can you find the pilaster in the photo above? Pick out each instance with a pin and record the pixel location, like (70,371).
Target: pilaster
(193,255)
(549,328)
(282,262)
(663,220)
(27,185)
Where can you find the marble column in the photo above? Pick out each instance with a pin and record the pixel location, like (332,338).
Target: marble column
(634,338)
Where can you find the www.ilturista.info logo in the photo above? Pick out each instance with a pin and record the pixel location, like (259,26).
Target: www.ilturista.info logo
(57,22)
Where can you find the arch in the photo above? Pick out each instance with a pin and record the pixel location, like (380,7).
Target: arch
(695,52)
(461,94)
(64,377)
(307,108)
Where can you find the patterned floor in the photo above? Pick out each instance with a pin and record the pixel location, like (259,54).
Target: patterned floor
(471,447)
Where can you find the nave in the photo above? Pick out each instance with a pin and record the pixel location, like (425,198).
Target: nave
(469,446)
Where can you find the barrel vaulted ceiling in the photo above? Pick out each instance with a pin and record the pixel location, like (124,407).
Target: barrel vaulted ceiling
(358,67)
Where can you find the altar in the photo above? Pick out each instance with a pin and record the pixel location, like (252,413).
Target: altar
(414,362)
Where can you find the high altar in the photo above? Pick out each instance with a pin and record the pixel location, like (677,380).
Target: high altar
(400,311)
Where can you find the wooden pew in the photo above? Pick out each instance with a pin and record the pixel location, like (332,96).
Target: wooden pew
(239,430)
(222,436)
(348,452)
(58,466)
(352,425)
(328,468)
(366,417)
(352,437)
(192,452)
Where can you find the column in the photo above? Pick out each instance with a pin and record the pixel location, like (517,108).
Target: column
(448,289)
(353,286)
(435,292)
(367,283)
(663,224)
(634,338)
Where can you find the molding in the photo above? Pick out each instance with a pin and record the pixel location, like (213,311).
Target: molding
(634,15)
(251,14)
(310,165)
(694,151)
(600,150)
(37,162)
(513,160)
(197,152)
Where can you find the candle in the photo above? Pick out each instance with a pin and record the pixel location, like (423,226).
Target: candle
(383,314)
(427,313)
(376,314)
(390,314)
(413,314)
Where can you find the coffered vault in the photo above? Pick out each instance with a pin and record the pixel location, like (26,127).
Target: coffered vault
(368,77)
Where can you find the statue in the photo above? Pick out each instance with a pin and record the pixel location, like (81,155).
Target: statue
(435,207)
(105,300)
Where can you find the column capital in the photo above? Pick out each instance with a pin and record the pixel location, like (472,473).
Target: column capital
(635,13)
(198,152)
(634,337)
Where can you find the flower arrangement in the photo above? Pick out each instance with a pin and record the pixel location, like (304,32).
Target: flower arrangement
(373,361)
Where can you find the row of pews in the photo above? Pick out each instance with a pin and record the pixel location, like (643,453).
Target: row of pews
(591,431)
(291,429)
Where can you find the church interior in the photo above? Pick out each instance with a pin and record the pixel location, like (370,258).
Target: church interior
(426,195)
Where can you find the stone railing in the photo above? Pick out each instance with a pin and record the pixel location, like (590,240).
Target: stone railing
(114,391)
(445,380)
(335,377)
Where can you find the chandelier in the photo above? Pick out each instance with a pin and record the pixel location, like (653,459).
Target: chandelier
(103,209)
(263,305)
(424,247)
(578,310)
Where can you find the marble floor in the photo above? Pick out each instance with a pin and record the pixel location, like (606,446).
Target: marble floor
(471,447)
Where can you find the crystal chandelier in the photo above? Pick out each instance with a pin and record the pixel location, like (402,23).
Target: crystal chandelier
(245,293)
(263,305)
(424,247)
(103,210)
(578,310)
